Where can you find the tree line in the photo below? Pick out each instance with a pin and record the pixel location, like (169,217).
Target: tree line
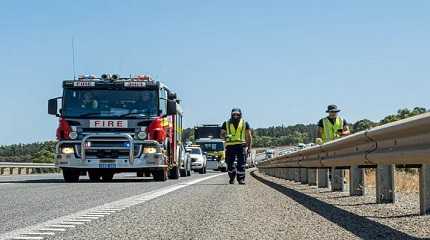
(263,137)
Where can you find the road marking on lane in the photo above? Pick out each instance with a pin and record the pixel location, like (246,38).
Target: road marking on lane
(41,233)
(86,216)
(61,226)
(75,222)
(28,238)
(52,229)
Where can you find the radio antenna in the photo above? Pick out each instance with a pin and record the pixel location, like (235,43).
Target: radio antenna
(73,58)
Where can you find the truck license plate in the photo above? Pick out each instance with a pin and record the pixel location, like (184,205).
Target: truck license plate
(107,165)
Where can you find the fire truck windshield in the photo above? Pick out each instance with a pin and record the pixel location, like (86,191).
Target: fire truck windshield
(211,146)
(110,103)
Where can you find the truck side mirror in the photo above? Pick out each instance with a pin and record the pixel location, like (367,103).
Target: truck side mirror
(53,106)
(171,107)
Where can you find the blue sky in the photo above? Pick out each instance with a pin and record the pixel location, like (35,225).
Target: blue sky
(280,61)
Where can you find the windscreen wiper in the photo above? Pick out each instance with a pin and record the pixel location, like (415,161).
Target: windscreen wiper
(90,114)
(133,114)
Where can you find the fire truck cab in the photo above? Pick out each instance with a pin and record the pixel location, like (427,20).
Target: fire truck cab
(111,124)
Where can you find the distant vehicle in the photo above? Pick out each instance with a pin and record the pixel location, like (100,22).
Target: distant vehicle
(186,169)
(270,153)
(207,136)
(301,145)
(215,153)
(112,124)
(198,159)
(251,159)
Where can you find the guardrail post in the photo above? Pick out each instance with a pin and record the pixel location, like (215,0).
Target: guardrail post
(304,175)
(337,176)
(290,174)
(312,176)
(425,189)
(385,192)
(323,178)
(297,174)
(284,173)
(356,181)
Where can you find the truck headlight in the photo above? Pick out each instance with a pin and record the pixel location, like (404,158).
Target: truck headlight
(142,135)
(68,150)
(73,135)
(149,150)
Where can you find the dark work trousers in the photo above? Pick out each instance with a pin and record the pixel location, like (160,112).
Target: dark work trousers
(236,153)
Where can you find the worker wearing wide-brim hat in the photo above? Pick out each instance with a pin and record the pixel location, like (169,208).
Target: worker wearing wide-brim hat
(332,127)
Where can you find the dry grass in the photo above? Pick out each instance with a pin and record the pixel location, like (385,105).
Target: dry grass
(405,182)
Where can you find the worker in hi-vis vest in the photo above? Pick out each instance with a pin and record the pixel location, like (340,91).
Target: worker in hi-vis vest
(238,140)
(332,126)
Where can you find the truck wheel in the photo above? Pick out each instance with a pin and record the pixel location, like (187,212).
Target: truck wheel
(202,170)
(94,175)
(107,177)
(183,172)
(223,169)
(189,171)
(160,175)
(71,175)
(139,174)
(147,173)
(174,173)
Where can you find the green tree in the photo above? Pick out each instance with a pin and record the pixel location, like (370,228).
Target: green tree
(43,156)
(362,125)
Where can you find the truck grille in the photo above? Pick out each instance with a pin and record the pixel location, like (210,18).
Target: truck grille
(111,147)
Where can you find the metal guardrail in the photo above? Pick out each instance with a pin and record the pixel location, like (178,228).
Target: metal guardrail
(405,142)
(27,167)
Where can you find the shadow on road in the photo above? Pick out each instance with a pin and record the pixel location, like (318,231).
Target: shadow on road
(360,226)
(83,181)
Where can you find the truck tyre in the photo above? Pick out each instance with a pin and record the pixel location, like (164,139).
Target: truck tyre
(71,175)
(160,175)
(147,173)
(202,170)
(139,174)
(183,172)
(189,171)
(174,173)
(223,169)
(107,177)
(94,175)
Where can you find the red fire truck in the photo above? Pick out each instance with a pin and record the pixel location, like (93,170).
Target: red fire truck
(112,124)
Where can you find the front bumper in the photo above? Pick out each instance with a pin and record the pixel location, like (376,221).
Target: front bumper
(222,164)
(132,156)
(196,165)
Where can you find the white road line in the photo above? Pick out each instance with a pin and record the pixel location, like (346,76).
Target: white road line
(97,214)
(28,238)
(88,215)
(75,222)
(52,229)
(41,233)
(61,226)
(81,220)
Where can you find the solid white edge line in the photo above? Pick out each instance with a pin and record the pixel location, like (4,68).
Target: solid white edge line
(115,205)
(40,233)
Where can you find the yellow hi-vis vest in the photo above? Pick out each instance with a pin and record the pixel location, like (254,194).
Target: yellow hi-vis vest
(330,130)
(236,136)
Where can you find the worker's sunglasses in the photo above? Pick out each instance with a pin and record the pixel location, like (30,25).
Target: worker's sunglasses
(235,114)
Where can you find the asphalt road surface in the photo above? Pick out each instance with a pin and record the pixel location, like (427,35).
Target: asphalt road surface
(197,207)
